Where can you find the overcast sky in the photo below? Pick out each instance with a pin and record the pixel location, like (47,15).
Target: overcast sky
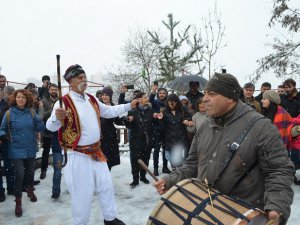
(91,32)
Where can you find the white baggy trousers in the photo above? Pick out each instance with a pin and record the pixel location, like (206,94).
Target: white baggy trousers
(84,177)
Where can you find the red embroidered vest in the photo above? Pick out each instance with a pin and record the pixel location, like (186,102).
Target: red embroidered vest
(72,124)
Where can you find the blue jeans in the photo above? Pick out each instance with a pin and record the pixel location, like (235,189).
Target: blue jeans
(57,172)
(176,156)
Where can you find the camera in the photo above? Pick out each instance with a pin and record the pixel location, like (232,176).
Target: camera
(130,86)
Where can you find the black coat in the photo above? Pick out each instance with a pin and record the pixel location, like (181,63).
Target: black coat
(110,140)
(174,130)
(141,128)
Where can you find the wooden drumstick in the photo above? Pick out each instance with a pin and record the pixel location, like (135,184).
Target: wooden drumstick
(211,201)
(270,222)
(143,165)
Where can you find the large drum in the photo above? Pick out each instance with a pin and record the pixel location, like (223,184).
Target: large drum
(189,203)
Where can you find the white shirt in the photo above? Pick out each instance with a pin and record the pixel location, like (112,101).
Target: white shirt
(90,132)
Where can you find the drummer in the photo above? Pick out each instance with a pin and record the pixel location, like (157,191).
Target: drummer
(253,167)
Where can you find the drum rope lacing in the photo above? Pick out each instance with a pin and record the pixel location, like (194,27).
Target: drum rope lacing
(201,207)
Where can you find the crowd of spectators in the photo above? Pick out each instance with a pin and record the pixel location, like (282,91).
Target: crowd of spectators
(162,123)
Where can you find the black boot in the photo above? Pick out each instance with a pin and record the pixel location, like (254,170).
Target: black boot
(43,175)
(55,195)
(134,183)
(2,196)
(166,170)
(296,182)
(144,179)
(116,221)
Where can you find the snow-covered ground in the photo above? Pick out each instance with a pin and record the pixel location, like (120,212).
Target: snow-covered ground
(134,205)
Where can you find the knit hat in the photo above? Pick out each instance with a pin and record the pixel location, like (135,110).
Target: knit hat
(108,91)
(273,96)
(183,97)
(99,92)
(224,84)
(73,71)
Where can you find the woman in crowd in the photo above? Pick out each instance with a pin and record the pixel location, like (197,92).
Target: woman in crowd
(278,115)
(20,124)
(140,122)
(198,117)
(289,128)
(295,149)
(185,103)
(173,122)
(110,141)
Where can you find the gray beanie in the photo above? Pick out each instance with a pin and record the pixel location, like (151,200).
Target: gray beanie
(272,96)
(224,84)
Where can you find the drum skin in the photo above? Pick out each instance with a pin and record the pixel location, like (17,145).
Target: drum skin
(189,203)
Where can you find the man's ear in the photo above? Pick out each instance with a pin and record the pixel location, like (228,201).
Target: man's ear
(229,100)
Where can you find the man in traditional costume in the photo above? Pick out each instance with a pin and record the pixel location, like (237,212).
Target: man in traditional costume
(86,171)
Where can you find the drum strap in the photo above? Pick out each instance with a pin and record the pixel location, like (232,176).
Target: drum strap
(235,146)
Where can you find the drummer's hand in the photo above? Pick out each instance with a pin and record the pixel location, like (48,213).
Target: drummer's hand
(60,113)
(274,216)
(160,186)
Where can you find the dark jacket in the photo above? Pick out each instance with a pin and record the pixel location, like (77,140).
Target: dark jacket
(156,103)
(121,99)
(110,140)
(43,92)
(174,130)
(193,98)
(259,97)
(291,104)
(267,186)
(141,127)
(47,105)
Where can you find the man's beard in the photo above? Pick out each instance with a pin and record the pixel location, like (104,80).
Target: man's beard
(54,95)
(80,87)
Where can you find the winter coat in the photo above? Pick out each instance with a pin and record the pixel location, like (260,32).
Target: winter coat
(198,118)
(110,140)
(254,103)
(23,127)
(268,183)
(47,105)
(141,128)
(193,98)
(291,104)
(156,104)
(173,128)
(296,140)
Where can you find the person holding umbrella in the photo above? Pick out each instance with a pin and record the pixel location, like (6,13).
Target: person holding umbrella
(194,94)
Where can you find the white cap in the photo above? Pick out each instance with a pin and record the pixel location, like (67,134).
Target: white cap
(183,97)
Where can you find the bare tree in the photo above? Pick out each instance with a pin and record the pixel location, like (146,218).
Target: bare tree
(284,60)
(139,65)
(210,36)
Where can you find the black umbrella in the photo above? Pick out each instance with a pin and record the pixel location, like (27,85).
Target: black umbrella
(183,83)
